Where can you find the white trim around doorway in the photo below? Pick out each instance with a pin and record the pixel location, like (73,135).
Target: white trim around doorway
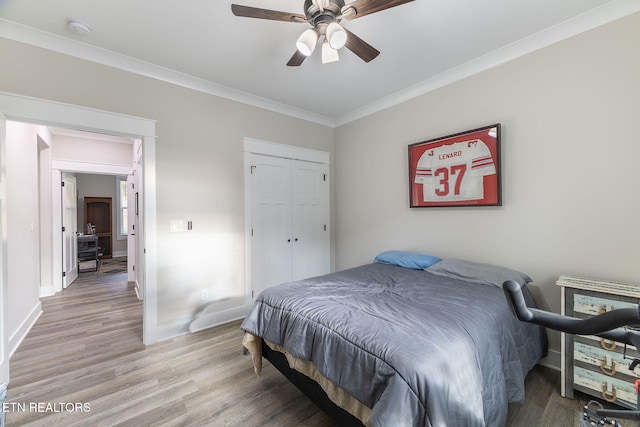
(50,113)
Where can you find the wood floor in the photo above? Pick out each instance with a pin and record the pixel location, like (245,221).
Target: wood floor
(83,363)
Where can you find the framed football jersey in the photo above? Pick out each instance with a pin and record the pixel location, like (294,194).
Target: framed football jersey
(462,169)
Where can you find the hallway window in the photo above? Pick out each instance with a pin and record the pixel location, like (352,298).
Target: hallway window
(123,225)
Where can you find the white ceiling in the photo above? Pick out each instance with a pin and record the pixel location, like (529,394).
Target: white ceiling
(201,44)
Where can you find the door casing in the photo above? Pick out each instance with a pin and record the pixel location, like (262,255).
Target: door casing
(50,113)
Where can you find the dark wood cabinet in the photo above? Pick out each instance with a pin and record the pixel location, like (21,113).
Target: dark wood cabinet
(98,213)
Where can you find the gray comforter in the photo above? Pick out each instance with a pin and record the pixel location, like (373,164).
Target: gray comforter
(416,348)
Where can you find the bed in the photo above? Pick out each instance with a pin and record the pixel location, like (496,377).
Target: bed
(404,341)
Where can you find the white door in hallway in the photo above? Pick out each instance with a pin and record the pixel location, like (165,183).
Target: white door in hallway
(69,229)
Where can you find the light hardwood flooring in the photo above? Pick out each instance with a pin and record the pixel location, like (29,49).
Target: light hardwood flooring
(86,348)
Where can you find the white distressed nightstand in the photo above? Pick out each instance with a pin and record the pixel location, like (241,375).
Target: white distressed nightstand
(590,364)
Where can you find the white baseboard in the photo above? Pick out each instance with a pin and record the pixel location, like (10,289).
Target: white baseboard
(208,320)
(201,321)
(552,361)
(47,291)
(136,287)
(119,254)
(207,317)
(26,325)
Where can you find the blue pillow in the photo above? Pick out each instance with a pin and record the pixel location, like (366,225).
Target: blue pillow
(406,259)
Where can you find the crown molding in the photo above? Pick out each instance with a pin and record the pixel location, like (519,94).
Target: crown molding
(602,15)
(31,36)
(594,18)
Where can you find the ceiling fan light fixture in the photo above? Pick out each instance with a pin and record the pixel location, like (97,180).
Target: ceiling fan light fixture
(336,35)
(329,54)
(307,42)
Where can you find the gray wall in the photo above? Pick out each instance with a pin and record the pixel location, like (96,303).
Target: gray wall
(199,164)
(571,192)
(23,232)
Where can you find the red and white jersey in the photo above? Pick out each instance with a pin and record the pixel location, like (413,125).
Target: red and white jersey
(455,172)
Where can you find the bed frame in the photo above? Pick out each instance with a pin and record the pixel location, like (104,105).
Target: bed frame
(310,388)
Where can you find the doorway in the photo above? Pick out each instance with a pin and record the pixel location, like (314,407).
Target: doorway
(101,202)
(43,112)
(100,163)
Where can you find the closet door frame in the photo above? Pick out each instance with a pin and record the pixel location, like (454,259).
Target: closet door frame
(254,146)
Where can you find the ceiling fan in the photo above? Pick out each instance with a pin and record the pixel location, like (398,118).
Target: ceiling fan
(324,16)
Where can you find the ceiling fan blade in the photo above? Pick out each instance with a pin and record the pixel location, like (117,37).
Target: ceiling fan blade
(366,7)
(364,50)
(296,60)
(274,15)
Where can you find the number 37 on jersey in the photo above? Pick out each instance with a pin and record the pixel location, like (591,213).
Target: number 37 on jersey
(460,169)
